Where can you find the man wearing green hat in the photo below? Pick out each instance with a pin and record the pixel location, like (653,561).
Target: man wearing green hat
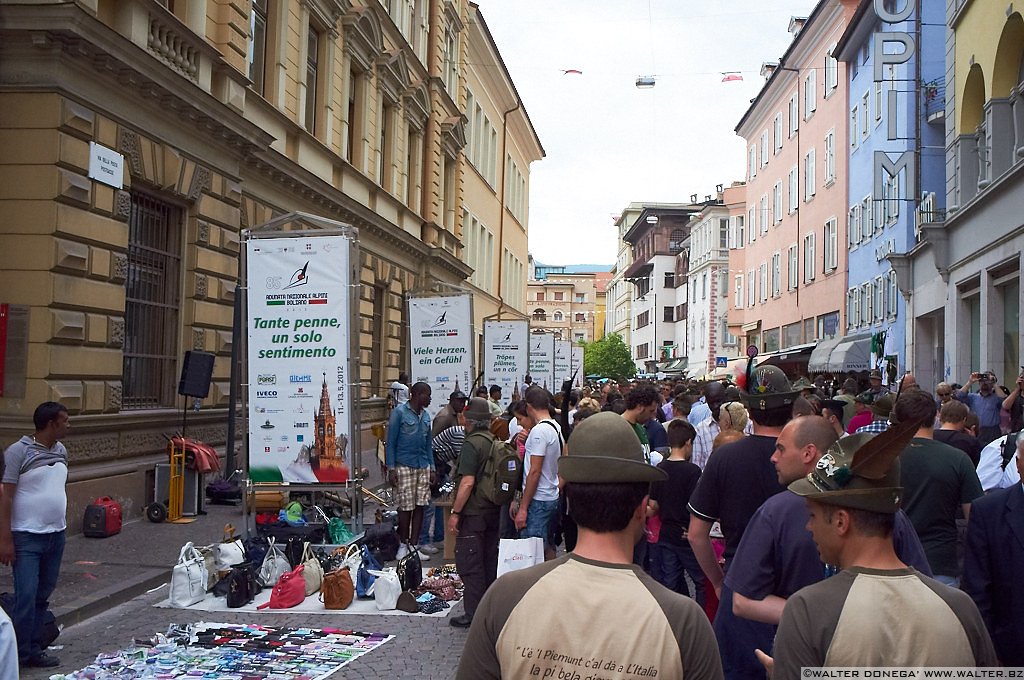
(877,611)
(593,612)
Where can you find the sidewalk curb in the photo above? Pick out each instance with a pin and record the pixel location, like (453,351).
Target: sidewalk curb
(108,598)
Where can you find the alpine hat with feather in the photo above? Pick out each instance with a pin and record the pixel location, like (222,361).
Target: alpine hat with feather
(861,471)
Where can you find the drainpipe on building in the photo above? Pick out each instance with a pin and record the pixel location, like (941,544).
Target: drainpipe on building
(501,198)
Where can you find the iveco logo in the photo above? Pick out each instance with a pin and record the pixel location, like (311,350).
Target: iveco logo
(300,378)
(266,394)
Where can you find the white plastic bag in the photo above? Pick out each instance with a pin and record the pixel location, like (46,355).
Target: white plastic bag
(386,588)
(188,578)
(519,553)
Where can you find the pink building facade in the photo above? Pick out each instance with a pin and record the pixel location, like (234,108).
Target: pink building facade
(788,257)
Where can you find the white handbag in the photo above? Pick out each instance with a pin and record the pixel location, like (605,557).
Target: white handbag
(188,578)
(386,588)
(275,564)
(312,571)
(230,551)
(353,558)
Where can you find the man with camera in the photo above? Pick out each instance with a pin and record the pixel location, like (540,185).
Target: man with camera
(985,403)
(1014,404)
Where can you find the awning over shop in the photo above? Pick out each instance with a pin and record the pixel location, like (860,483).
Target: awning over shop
(850,353)
(787,357)
(673,366)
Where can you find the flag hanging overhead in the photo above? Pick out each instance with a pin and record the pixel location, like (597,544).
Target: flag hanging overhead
(729,76)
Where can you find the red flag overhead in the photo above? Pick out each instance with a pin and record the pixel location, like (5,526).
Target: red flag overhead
(730,76)
(571,71)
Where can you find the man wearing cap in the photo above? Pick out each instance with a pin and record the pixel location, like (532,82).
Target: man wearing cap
(410,462)
(939,481)
(994,562)
(985,402)
(875,386)
(474,519)
(880,410)
(449,415)
(592,612)
(777,556)
(877,611)
(863,415)
(737,479)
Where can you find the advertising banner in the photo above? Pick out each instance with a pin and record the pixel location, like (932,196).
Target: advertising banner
(440,345)
(577,366)
(506,356)
(298,320)
(542,359)
(563,364)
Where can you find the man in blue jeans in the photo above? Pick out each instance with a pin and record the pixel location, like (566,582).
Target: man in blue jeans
(540,470)
(33,517)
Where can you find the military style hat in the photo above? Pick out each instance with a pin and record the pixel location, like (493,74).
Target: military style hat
(865,397)
(803,384)
(768,388)
(882,406)
(605,449)
(876,374)
(457,395)
(860,471)
(478,409)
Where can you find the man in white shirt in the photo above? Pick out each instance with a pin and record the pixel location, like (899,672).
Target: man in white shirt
(707,429)
(400,390)
(33,518)
(540,469)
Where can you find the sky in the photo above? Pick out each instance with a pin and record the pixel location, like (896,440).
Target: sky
(609,143)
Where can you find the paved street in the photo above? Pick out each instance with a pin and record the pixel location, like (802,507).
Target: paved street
(423,647)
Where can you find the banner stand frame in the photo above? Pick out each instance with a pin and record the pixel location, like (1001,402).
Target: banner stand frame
(309,226)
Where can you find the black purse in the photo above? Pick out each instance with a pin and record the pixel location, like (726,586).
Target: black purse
(242,585)
(410,570)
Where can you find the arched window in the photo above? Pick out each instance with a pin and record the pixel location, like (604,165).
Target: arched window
(540,315)
(559,316)
(675,242)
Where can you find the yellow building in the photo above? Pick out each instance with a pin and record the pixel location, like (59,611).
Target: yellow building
(226,114)
(564,304)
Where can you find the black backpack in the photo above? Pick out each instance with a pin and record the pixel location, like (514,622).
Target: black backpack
(501,473)
(382,541)
(1009,449)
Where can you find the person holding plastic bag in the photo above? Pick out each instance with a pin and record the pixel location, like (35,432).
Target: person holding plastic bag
(474,519)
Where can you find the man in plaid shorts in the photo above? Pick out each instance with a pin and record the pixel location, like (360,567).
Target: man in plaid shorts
(410,463)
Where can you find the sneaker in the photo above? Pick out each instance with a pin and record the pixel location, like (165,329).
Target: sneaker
(429,549)
(423,556)
(41,660)
(403,550)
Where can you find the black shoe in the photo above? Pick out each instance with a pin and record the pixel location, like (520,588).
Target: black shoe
(41,660)
(460,621)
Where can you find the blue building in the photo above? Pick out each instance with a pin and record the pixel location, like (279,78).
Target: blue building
(896,114)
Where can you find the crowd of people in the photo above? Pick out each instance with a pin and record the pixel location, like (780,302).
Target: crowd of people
(868,525)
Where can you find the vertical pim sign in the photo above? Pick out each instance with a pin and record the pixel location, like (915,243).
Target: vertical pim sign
(298,325)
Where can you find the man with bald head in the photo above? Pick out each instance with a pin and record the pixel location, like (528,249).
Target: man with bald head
(707,429)
(777,556)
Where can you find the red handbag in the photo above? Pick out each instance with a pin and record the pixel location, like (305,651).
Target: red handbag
(289,590)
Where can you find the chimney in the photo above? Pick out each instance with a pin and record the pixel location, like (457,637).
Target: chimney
(768,68)
(796,24)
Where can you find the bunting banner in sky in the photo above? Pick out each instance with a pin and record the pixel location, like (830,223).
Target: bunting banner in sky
(441,345)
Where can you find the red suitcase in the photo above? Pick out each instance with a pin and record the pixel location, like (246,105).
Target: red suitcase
(102,518)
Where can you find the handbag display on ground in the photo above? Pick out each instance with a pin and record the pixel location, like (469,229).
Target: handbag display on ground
(240,585)
(312,572)
(288,591)
(188,578)
(410,570)
(365,576)
(337,591)
(275,564)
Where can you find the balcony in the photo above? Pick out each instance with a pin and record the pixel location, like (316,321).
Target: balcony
(933,95)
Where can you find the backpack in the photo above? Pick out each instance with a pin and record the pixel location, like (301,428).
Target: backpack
(1009,449)
(501,474)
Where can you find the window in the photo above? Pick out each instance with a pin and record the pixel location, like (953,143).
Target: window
(831,71)
(581,298)
(580,317)
(752,224)
(751,162)
(809,175)
(739,231)
(668,314)
(810,94)
(540,296)
(764,149)
(558,316)
(151,304)
(794,267)
(867,304)
(879,99)
(894,292)
(738,286)
(777,133)
(776,274)
(830,242)
(809,255)
(892,199)
(879,288)
(751,289)
(794,115)
(670,279)
(830,157)
(643,351)
(854,137)
(312,77)
(791,334)
(851,226)
(258,46)
(723,233)
(763,216)
(559,296)
(762,283)
(865,105)
(777,202)
(704,286)
(794,189)
(852,308)
(643,318)
(867,222)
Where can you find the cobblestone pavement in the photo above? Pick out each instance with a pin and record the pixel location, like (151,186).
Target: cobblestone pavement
(423,647)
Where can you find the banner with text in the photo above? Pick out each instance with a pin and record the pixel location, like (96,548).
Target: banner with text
(440,345)
(506,353)
(299,316)
(563,364)
(577,366)
(542,360)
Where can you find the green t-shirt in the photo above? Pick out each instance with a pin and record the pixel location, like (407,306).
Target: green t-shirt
(475,450)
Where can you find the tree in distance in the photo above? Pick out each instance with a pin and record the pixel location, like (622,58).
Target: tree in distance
(608,357)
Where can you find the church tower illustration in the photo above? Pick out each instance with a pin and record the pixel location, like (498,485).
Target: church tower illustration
(328,447)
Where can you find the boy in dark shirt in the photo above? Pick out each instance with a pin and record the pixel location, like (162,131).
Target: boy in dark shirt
(669,500)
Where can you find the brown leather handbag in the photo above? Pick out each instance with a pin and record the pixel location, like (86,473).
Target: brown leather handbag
(337,591)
